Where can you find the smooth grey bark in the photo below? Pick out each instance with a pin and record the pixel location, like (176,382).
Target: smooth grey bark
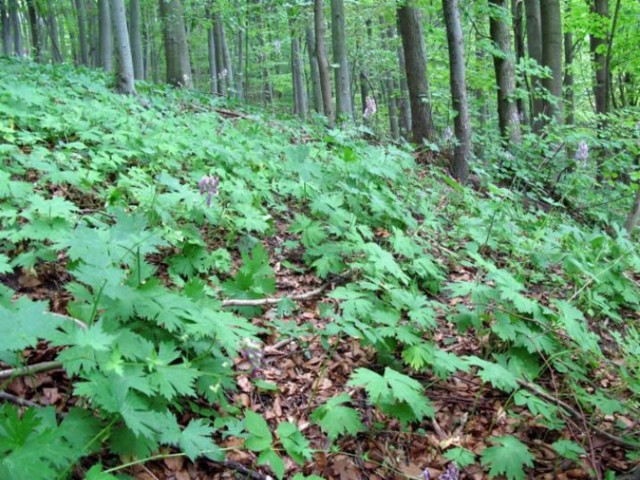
(297,69)
(226,57)
(239,70)
(106,36)
(411,31)
(634,215)
(213,64)
(459,165)
(81,12)
(14,19)
(568,79)
(223,81)
(534,50)
(135,39)
(517,12)
(597,43)
(323,61)
(402,101)
(6,28)
(508,120)
(125,82)
(314,72)
(176,49)
(551,26)
(36,44)
(344,105)
(52,27)
(480,93)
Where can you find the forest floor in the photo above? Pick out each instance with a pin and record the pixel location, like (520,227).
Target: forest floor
(298,368)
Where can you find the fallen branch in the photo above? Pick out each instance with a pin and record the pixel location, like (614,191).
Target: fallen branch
(575,414)
(30,369)
(18,400)
(257,302)
(230,464)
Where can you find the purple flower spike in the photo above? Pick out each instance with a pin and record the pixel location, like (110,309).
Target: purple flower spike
(209,185)
(582,154)
(451,473)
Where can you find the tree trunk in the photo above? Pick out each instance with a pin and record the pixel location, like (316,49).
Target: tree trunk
(344,106)
(125,82)
(552,56)
(634,215)
(52,26)
(402,101)
(323,62)
(517,9)
(14,19)
(213,64)
(136,40)
(82,31)
(534,49)
(460,163)
(6,29)
(35,34)
(106,36)
(239,70)
(568,78)
(313,70)
(597,43)
(223,78)
(175,44)
(297,70)
(226,56)
(410,21)
(505,75)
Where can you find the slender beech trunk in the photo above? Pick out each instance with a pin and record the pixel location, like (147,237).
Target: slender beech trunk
(323,61)
(175,44)
(460,163)
(106,36)
(517,12)
(223,77)
(213,64)
(6,29)
(136,40)
(125,60)
(239,70)
(52,27)
(597,43)
(344,105)
(568,79)
(402,101)
(82,31)
(316,90)
(36,44)
(505,76)
(297,70)
(551,26)
(411,31)
(226,56)
(534,50)
(14,20)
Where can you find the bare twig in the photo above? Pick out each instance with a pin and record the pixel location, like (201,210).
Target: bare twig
(574,413)
(17,400)
(30,369)
(273,300)
(243,470)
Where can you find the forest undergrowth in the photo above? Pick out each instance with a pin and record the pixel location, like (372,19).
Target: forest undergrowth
(194,291)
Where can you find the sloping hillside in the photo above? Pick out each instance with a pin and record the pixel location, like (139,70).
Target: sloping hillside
(194,292)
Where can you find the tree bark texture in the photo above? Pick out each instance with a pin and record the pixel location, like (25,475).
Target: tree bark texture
(411,31)
(81,12)
(460,163)
(14,20)
(106,35)
(551,26)
(517,10)
(323,61)
(508,120)
(344,106)
(135,39)
(297,71)
(36,44)
(534,50)
(125,83)
(568,79)
(314,72)
(6,28)
(597,42)
(175,44)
